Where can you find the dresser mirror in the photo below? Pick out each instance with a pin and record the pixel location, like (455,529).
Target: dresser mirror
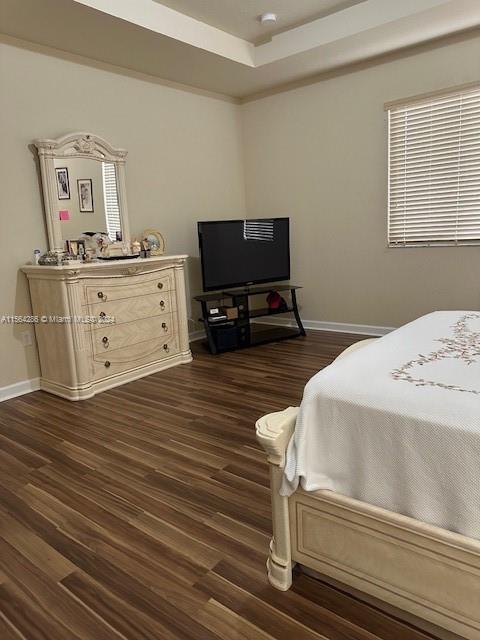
(84,191)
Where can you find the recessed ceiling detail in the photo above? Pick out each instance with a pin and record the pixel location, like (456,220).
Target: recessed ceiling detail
(356,19)
(240,17)
(221,46)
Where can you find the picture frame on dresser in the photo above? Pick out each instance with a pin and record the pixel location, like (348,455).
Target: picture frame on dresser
(154,242)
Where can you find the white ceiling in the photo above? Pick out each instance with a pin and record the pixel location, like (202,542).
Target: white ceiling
(240,17)
(146,36)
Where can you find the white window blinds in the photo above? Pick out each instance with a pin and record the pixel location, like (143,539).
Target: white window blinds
(434,171)
(112,210)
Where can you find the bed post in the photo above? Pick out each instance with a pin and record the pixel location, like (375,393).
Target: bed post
(273,433)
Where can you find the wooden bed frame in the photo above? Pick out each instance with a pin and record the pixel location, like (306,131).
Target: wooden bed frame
(426,571)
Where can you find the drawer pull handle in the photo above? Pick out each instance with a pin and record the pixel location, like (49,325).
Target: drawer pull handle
(101,295)
(162,303)
(105,341)
(160,285)
(164,327)
(107,363)
(165,348)
(103,314)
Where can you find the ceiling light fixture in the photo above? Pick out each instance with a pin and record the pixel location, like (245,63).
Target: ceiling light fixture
(268,18)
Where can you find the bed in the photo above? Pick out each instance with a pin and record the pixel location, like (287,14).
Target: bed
(375,479)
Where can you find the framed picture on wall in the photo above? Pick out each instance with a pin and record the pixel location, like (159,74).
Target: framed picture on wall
(63,184)
(85,195)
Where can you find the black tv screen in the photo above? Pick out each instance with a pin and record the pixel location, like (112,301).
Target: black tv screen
(243,252)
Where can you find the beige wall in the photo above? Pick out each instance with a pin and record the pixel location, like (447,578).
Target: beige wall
(316,154)
(319,155)
(184,164)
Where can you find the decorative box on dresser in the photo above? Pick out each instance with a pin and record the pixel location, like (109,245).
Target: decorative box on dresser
(81,351)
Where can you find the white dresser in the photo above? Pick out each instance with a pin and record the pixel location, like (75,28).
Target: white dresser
(81,353)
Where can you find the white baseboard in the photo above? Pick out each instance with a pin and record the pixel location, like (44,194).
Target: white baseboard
(322,325)
(196,335)
(27,386)
(19,389)
(313,325)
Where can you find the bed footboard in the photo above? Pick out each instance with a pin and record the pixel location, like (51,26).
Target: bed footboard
(420,569)
(430,573)
(273,433)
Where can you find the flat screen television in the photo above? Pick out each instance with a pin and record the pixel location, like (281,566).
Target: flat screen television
(238,253)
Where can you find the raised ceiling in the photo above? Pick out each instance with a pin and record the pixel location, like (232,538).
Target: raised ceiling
(147,36)
(240,17)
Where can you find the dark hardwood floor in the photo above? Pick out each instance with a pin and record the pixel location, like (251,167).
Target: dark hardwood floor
(144,513)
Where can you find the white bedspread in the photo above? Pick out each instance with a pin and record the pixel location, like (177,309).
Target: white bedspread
(397,424)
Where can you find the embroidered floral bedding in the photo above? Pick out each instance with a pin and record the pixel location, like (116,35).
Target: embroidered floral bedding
(397,424)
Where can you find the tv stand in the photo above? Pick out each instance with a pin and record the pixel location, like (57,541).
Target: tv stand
(240,332)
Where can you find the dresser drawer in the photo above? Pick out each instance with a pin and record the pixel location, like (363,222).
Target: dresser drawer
(117,361)
(132,309)
(113,337)
(109,289)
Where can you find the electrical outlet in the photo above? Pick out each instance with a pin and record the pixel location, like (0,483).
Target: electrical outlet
(27,339)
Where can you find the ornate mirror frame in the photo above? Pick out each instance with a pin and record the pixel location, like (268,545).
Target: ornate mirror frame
(77,145)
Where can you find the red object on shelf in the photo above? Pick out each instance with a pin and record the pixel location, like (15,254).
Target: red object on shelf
(275,301)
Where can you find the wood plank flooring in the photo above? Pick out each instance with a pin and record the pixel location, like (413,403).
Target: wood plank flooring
(144,513)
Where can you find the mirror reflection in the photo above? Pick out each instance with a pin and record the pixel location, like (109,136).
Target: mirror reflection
(87,197)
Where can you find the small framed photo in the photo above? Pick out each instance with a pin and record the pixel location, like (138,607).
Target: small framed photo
(63,184)
(85,195)
(72,247)
(155,241)
(76,248)
(82,253)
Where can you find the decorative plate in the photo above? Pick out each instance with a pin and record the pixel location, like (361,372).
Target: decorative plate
(155,240)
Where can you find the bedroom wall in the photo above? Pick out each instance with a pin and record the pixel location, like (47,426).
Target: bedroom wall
(316,153)
(319,155)
(184,164)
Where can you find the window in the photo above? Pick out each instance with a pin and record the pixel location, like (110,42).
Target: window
(112,210)
(434,171)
